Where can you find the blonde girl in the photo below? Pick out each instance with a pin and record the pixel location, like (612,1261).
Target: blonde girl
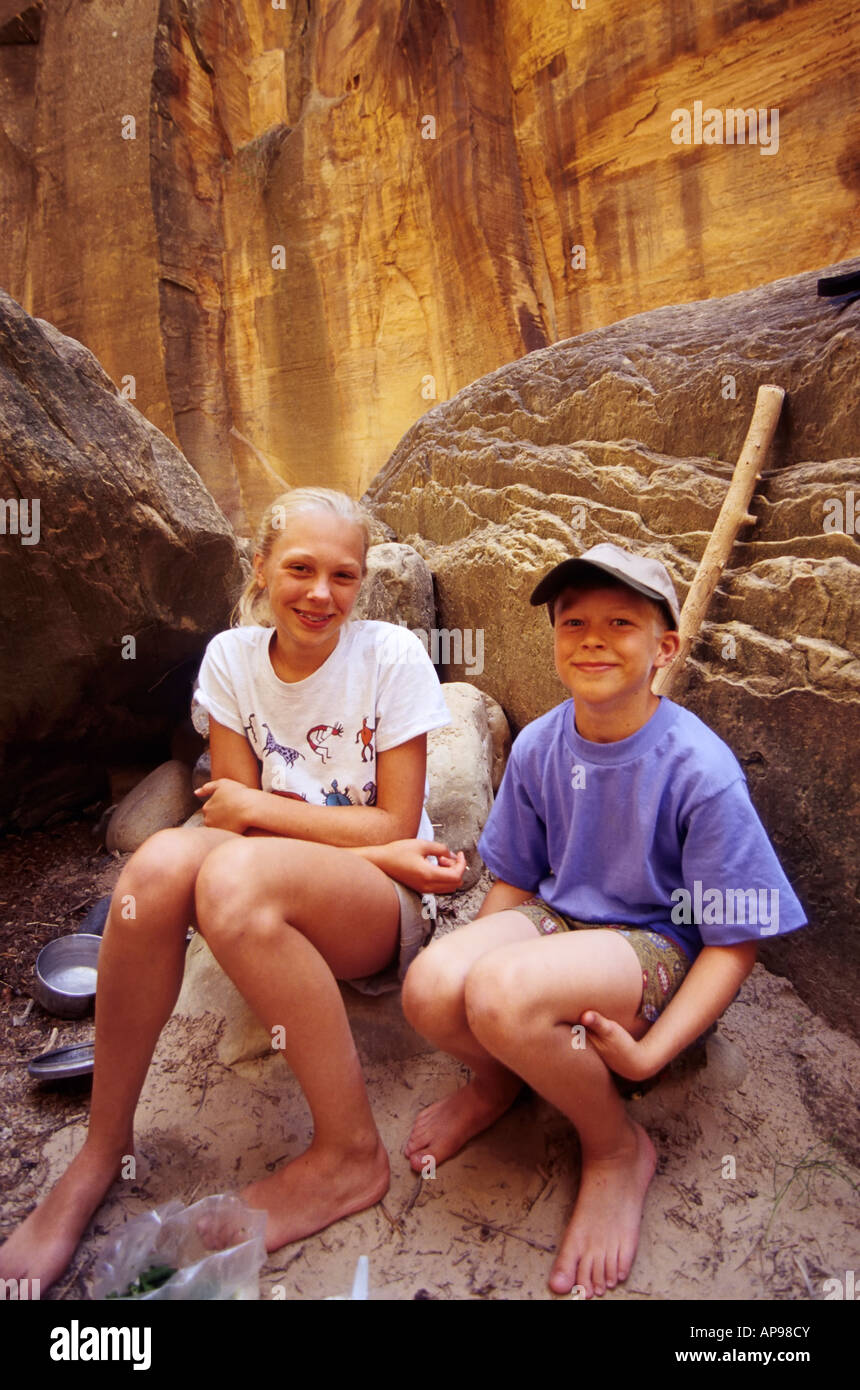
(306,872)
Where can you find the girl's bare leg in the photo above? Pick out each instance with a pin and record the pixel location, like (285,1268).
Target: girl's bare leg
(140,972)
(284,918)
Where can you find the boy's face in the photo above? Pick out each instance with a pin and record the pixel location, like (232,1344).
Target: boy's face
(608,642)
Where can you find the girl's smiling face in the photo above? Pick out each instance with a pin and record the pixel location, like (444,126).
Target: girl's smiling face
(312,575)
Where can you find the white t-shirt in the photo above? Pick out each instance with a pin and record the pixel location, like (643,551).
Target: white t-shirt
(317,739)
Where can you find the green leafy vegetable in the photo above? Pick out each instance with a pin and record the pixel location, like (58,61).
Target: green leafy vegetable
(150,1279)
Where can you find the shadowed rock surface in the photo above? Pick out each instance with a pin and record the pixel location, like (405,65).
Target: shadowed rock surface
(629,434)
(106,608)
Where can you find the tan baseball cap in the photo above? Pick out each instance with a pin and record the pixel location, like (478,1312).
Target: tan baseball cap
(646,576)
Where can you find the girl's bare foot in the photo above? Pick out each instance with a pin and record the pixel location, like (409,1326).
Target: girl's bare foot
(319,1187)
(599,1245)
(442,1129)
(43,1245)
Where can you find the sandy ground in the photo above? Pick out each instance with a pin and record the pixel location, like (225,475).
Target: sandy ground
(754,1197)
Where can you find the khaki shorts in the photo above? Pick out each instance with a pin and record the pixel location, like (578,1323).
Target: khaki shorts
(417,925)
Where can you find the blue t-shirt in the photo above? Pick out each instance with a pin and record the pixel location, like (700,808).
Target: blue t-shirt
(655,830)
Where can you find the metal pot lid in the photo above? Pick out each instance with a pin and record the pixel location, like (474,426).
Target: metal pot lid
(77,1060)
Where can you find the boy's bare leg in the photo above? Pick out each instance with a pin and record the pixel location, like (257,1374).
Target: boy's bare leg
(521,1002)
(140,972)
(434,1002)
(283,918)
(507,1010)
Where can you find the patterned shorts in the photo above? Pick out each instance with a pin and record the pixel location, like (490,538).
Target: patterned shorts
(663,964)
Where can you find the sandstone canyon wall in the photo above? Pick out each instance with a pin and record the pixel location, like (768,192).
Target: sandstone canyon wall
(426,166)
(628,434)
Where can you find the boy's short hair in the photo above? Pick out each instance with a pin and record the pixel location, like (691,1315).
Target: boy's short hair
(608,565)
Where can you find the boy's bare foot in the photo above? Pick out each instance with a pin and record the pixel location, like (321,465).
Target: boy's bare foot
(442,1129)
(43,1245)
(317,1188)
(599,1245)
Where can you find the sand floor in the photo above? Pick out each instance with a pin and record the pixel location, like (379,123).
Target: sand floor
(755,1195)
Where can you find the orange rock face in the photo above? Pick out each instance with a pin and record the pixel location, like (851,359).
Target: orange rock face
(290,228)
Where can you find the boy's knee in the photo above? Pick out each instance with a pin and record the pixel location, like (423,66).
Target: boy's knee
(502,997)
(489,994)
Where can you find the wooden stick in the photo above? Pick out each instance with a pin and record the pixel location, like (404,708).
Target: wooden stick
(733,514)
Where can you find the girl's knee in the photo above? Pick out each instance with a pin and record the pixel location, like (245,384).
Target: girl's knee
(433,988)
(167,853)
(224,897)
(163,866)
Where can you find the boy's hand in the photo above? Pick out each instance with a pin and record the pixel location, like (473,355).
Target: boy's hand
(621,1052)
(407,861)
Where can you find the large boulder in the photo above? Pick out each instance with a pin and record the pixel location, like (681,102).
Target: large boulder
(629,434)
(381,1032)
(116,566)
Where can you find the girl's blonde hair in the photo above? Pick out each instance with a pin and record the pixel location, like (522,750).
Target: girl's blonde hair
(253,605)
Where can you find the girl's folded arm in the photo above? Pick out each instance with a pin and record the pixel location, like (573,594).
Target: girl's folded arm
(231,755)
(235,803)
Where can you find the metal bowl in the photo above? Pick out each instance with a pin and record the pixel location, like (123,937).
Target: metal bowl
(66,975)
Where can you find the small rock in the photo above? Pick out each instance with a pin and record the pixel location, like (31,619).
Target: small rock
(500,735)
(199,716)
(398,587)
(202,770)
(163,799)
(726,1067)
(459,771)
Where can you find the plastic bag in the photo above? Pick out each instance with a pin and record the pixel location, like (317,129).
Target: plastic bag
(217,1247)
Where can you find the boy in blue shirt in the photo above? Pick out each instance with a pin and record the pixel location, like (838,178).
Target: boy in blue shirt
(628,859)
